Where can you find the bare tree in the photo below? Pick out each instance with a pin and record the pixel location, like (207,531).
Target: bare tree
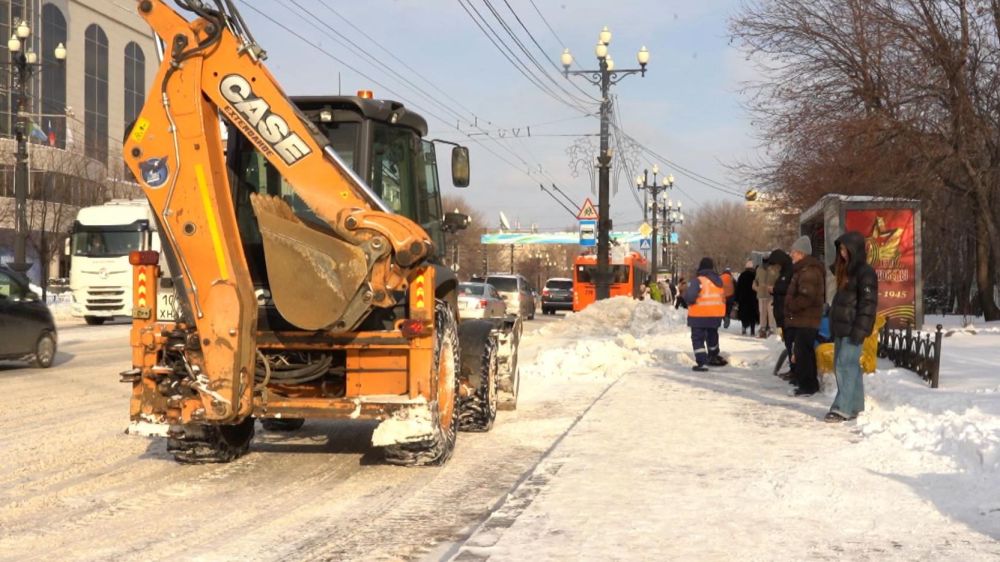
(887,97)
(727,232)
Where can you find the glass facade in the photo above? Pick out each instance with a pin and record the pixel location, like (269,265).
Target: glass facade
(95,95)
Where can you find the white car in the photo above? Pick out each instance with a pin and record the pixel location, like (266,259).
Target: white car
(480,300)
(517,293)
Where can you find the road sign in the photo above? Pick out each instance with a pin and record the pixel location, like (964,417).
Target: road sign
(645,244)
(645,230)
(588,233)
(587,212)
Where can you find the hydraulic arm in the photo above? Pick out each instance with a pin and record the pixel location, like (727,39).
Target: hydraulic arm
(325,273)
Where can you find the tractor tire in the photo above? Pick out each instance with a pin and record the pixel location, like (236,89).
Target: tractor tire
(282,424)
(203,443)
(439,447)
(480,369)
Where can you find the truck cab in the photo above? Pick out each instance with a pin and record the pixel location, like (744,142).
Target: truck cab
(101,239)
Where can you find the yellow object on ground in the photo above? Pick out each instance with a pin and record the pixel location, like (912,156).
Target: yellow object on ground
(869,351)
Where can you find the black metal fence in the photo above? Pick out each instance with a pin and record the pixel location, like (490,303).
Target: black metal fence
(916,351)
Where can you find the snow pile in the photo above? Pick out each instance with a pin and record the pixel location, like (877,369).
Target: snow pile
(961,425)
(606,339)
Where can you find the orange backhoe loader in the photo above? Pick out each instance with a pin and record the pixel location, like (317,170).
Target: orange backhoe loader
(302,252)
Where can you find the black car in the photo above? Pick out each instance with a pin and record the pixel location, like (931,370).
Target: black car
(557,295)
(27,330)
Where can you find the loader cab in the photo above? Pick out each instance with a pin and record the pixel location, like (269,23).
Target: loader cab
(382,141)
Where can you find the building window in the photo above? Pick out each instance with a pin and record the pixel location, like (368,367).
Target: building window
(53,120)
(135,81)
(95,93)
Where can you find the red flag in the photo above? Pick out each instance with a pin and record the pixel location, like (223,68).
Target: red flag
(52,134)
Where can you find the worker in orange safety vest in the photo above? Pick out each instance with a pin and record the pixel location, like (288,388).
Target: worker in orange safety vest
(708,306)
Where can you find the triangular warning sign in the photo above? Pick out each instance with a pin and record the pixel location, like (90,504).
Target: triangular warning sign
(587,212)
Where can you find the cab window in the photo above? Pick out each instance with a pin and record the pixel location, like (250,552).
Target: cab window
(392,170)
(429,207)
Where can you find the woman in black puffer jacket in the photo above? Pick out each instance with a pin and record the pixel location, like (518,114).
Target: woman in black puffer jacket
(852,317)
(783,261)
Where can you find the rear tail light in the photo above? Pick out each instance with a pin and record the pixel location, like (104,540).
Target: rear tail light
(545,292)
(412,328)
(482,303)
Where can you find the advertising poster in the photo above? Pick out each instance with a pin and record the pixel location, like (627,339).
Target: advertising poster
(889,243)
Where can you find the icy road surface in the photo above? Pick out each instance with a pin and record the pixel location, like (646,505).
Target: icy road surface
(74,487)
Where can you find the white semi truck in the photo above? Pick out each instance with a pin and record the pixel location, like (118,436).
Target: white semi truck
(100,276)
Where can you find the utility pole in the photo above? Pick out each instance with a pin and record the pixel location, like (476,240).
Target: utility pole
(654,190)
(604,77)
(24,62)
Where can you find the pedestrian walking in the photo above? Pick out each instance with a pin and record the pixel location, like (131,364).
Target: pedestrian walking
(666,296)
(682,287)
(729,287)
(746,298)
(763,284)
(804,312)
(852,317)
(782,262)
(654,291)
(707,299)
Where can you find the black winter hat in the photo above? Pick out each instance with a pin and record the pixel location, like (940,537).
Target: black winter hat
(706,263)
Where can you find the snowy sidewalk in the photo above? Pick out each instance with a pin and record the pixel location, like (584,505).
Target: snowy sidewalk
(669,464)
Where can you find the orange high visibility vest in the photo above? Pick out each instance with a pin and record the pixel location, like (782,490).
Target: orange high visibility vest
(727,284)
(711,301)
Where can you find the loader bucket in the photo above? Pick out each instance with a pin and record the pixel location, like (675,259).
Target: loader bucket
(313,276)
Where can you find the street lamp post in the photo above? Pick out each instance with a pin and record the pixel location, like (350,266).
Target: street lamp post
(672,216)
(655,190)
(604,77)
(23,64)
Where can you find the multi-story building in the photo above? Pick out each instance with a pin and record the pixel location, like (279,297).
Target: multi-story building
(78,110)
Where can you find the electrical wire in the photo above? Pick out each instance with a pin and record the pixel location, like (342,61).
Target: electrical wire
(494,38)
(589,98)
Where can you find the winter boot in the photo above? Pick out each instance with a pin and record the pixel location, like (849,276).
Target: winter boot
(717,361)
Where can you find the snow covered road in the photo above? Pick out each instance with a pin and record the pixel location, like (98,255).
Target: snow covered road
(617,451)
(74,487)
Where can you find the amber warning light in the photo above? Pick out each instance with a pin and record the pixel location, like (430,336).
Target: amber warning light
(145,257)
(366,94)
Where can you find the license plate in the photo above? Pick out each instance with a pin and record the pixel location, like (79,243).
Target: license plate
(166,305)
(462,305)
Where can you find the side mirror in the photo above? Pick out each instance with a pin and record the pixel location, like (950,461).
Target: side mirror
(66,246)
(454,222)
(460,166)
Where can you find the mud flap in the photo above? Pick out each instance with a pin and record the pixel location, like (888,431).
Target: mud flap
(313,276)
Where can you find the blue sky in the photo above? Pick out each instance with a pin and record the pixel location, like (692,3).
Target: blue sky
(686,108)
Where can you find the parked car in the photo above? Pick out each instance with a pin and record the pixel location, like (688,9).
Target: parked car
(480,300)
(518,293)
(27,330)
(557,294)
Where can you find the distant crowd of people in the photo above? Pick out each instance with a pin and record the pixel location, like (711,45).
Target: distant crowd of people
(786,294)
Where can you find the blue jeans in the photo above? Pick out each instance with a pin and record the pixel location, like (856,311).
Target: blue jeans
(850,398)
